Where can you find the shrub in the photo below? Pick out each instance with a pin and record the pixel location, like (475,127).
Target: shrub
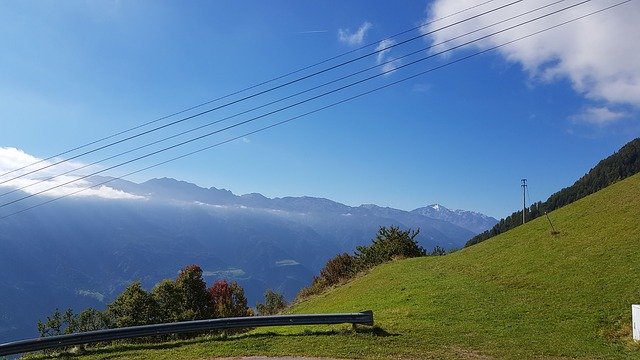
(341,267)
(388,244)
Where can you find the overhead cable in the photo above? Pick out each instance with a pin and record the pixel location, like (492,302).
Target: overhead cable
(293,105)
(251,87)
(146,132)
(324,107)
(380,65)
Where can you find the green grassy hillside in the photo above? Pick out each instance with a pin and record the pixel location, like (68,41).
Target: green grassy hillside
(523,294)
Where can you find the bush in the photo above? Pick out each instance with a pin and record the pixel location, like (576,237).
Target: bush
(340,268)
(389,244)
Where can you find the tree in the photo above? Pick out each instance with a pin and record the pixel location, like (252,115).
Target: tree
(273,303)
(59,323)
(71,322)
(196,299)
(228,300)
(53,325)
(133,307)
(389,243)
(220,294)
(238,301)
(169,299)
(438,251)
(91,319)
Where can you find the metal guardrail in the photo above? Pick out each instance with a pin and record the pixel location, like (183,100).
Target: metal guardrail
(23,346)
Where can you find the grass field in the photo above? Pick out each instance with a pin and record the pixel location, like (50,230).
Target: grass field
(524,294)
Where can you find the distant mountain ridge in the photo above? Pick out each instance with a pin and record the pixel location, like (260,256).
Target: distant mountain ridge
(168,188)
(470,220)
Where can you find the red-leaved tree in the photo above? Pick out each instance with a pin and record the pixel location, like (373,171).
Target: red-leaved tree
(228,300)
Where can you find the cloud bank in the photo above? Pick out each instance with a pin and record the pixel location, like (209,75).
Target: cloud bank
(598,55)
(12,158)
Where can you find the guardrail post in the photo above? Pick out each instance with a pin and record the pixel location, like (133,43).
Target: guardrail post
(370,313)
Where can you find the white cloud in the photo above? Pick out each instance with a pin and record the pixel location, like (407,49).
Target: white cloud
(229,273)
(12,158)
(599,116)
(287,262)
(355,38)
(599,55)
(383,56)
(92,294)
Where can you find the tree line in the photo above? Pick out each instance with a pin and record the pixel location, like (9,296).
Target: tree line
(183,299)
(619,166)
(188,297)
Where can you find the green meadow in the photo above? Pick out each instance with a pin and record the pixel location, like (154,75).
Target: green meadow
(525,294)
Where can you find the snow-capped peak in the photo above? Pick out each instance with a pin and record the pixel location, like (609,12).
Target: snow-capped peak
(438,207)
(473,221)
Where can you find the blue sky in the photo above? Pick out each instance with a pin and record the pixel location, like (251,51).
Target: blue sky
(547,109)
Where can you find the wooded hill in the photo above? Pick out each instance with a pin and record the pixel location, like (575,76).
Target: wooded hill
(619,166)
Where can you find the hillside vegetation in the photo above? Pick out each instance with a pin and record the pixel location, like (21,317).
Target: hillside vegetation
(622,164)
(523,294)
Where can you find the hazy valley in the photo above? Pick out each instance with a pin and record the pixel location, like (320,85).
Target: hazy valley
(82,252)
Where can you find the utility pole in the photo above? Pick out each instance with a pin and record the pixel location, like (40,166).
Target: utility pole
(524,199)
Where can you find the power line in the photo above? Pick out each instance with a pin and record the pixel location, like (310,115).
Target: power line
(237,92)
(245,89)
(377,51)
(320,109)
(284,98)
(293,105)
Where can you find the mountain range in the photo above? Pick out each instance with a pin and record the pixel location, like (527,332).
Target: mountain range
(81,252)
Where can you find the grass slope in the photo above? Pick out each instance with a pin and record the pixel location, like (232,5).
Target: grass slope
(522,294)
